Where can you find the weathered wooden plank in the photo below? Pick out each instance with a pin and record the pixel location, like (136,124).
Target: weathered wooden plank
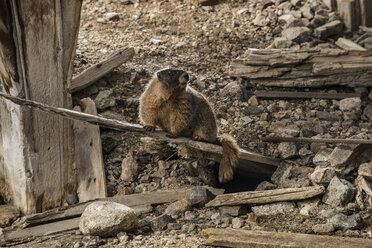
(303,95)
(304,68)
(266,196)
(212,151)
(97,71)
(91,178)
(140,202)
(42,230)
(35,147)
(246,238)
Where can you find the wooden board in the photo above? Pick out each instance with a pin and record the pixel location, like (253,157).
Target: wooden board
(97,71)
(91,177)
(36,152)
(304,68)
(261,239)
(138,201)
(302,95)
(265,196)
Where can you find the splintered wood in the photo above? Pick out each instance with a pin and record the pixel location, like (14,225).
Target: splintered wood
(304,68)
(97,71)
(266,196)
(246,238)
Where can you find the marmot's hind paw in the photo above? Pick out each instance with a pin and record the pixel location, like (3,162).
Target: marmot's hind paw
(149,128)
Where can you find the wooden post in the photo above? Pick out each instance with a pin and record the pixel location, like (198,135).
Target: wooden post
(37,44)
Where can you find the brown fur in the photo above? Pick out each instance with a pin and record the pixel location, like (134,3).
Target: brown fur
(170,104)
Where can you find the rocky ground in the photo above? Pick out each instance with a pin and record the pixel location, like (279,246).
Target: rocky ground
(203,40)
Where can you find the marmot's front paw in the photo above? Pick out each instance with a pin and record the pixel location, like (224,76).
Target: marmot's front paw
(197,138)
(149,128)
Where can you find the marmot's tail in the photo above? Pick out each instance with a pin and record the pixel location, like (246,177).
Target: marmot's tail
(230,157)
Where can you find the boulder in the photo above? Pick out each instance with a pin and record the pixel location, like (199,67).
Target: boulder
(329,29)
(297,34)
(339,192)
(105,219)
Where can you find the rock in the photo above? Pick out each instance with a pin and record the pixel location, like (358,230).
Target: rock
(285,19)
(308,210)
(367,112)
(189,215)
(339,192)
(322,175)
(340,156)
(281,42)
(174,226)
(343,222)
(178,207)
(287,150)
(274,208)
(129,168)
(291,176)
(234,90)
(306,11)
(253,101)
(318,21)
(160,222)
(108,144)
(323,228)
(188,227)
(329,29)
(199,196)
(364,170)
(104,99)
(297,34)
(122,237)
(296,22)
(233,210)
(106,219)
(8,214)
(266,3)
(296,2)
(327,116)
(322,157)
(260,20)
(92,241)
(265,185)
(112,16)
(246,120)
(237,223)
(350,104)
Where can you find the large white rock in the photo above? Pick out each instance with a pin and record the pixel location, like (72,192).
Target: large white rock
(105,219)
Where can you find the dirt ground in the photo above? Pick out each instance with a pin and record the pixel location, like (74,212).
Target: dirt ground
(202,41)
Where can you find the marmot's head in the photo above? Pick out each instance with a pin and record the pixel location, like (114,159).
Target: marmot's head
(172,80)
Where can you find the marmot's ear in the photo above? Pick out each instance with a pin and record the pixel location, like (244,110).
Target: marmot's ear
(183,78)
(160,75)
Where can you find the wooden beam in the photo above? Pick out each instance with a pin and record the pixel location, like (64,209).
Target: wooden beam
(266,196)
(304,68)
(35,148)
(97,71)
(261,239)
(262,165)
(137,201)
(91,177)
(314,140)
(303,95)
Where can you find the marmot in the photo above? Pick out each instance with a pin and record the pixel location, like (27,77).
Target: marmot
(169,103)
